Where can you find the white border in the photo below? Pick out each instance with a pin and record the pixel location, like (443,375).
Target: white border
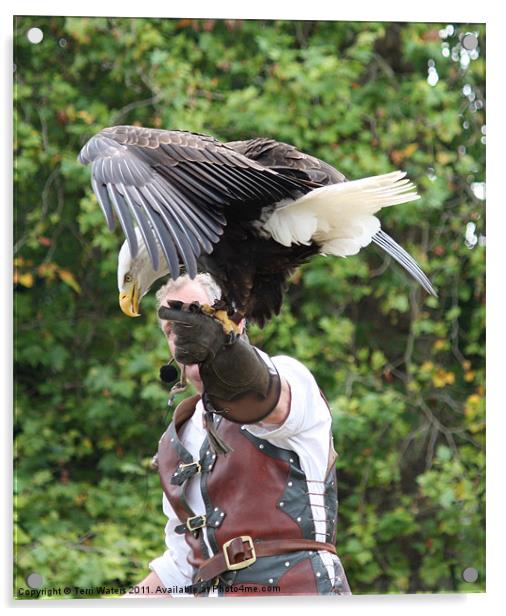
(428,11)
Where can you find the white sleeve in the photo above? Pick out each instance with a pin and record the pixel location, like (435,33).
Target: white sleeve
(307,406)
(172,567)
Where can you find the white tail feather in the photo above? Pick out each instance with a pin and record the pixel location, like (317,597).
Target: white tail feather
(340,217)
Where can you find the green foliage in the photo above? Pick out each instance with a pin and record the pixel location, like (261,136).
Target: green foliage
(404,373)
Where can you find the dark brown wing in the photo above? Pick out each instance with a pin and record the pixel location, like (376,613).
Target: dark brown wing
(288,160)
(177,187)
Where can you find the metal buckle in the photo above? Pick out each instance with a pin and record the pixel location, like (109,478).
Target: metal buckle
(244,563)
(202,523)
(194,463)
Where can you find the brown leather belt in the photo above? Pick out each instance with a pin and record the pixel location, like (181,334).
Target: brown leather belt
(241,552)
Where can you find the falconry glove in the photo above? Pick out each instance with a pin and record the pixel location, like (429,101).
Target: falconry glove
(238,383)
(197,337)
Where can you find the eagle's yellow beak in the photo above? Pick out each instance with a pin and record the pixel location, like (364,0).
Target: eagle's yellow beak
(129,301)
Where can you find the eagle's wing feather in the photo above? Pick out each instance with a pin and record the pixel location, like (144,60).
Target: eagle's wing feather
(127,180)
(177,187)
(391,247)
(287,159)
(101,193)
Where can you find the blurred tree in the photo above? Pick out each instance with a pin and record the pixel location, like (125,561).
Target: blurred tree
(404,373)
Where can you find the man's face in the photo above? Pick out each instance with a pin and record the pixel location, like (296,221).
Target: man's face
(190,292)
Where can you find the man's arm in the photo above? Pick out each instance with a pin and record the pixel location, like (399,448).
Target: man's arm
(282,410)
(238,382)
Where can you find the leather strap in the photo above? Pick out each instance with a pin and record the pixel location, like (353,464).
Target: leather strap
(241,549)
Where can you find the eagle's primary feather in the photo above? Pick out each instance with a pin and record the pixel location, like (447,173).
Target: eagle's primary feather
(248,212)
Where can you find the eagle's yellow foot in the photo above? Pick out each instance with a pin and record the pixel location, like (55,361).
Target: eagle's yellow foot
(220,314)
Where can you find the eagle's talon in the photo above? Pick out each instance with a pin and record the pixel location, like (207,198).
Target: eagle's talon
(221,314)
(231,338)
(195,307)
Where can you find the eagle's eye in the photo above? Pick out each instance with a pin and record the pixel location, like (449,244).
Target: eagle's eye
(128,278)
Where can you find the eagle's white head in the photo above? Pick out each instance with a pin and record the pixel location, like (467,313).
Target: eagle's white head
(136,275)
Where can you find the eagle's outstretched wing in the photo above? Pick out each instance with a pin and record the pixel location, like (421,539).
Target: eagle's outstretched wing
(290,161)
(176,186)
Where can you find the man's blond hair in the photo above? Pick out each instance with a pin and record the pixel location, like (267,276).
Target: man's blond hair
(205,281)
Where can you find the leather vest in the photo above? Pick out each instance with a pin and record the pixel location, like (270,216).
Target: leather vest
(257,490)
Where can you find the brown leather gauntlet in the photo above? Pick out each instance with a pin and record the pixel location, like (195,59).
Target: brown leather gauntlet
(239,384)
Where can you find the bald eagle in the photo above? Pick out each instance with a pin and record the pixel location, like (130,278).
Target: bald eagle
(247,212)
